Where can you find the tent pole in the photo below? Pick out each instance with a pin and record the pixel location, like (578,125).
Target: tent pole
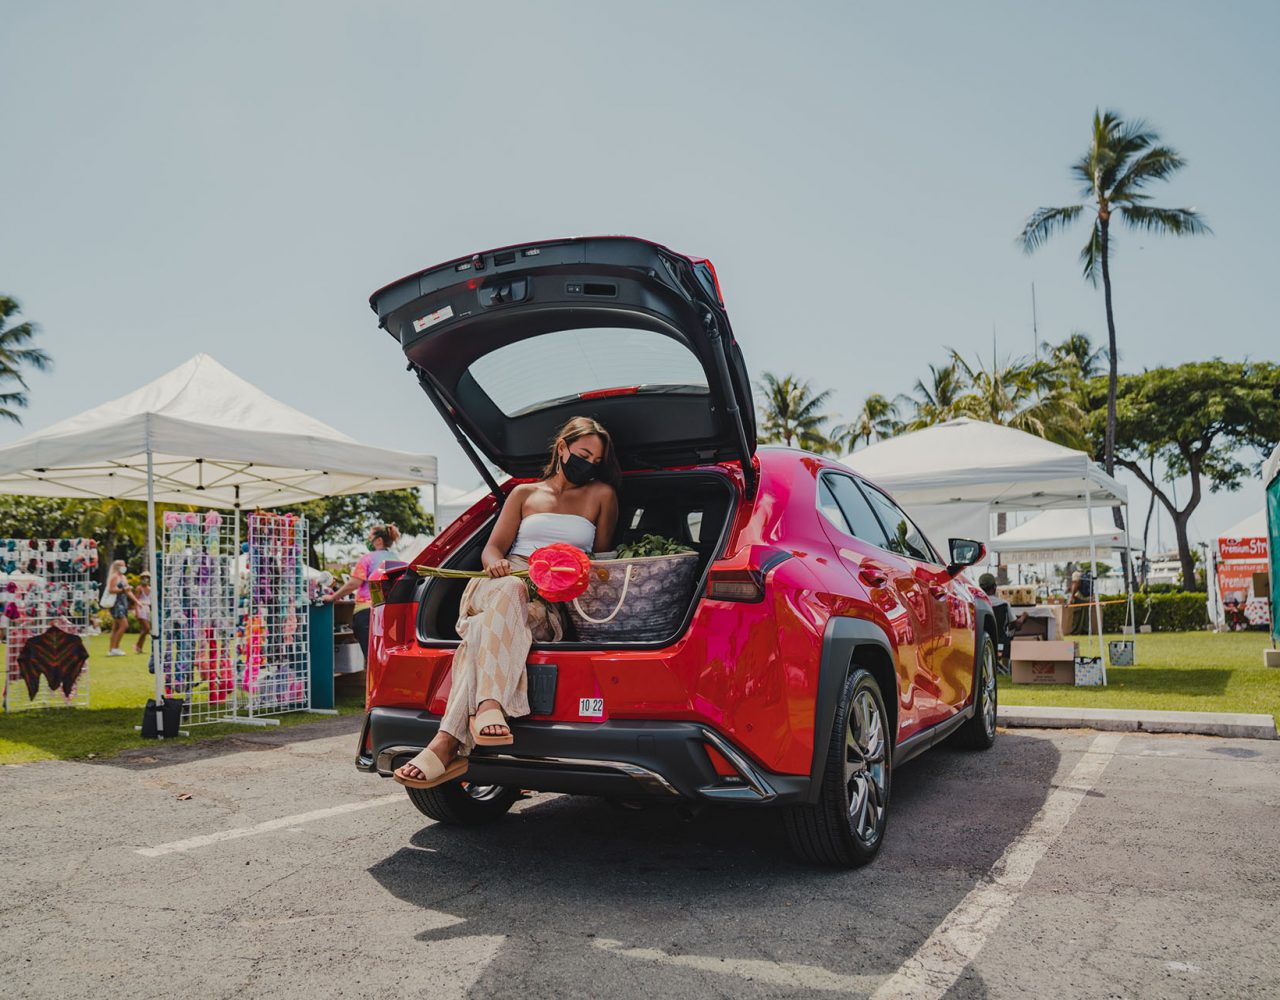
(235,595)
(1129,581)
(1095,613)
(151,563)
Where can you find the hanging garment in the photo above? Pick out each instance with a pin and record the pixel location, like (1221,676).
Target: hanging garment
(58,655)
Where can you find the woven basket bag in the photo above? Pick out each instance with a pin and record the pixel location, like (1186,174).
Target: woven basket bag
(636,600)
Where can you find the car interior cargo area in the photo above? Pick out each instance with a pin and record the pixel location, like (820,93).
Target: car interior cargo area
(692,508)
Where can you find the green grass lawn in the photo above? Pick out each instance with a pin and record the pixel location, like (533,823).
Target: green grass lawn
(1174,671)
(118,688)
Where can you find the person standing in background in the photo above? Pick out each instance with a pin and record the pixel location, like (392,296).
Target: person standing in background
(143,598)
(381,538)
(118,585)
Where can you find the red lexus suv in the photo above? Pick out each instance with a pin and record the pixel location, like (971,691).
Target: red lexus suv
(826,641)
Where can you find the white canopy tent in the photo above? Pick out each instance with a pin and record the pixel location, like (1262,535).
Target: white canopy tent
(1059,535)
(970,461)
(965,465)
(201,435)
(453,508)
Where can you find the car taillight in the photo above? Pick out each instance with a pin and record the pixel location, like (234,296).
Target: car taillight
(741,578)
(384,578)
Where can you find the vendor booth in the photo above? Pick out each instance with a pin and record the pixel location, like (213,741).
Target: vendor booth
(1239,596)
(956,474)
(201,435)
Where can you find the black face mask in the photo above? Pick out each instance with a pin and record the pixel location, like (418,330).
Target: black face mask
(578,470)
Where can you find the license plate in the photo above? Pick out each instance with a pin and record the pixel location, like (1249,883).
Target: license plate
(591,708)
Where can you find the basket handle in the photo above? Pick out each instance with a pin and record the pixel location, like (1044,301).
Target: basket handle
(622,599)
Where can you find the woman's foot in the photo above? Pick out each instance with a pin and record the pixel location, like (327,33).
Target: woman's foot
(443,746)
(493,729)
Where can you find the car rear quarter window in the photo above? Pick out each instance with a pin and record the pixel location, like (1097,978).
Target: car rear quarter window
(840,500)
(904,537)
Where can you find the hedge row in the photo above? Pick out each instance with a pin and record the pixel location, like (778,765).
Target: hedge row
(1185,612)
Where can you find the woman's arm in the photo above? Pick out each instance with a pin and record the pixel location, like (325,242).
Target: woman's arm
(359,573)
(607,520)
(503,536)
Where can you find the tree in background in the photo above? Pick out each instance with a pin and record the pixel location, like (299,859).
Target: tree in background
(791,414)
(1037,397)
(1195,418)
(878,418)
(347,519)
(1122,159)
(120,526)
(935,401)
(16,356)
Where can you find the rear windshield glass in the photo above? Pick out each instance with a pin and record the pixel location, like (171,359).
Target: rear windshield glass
(533,373)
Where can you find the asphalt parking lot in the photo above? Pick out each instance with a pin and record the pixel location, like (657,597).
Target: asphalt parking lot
(1066,864)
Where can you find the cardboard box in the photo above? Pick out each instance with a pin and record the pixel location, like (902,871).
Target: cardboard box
(1043,662)
(1018,593)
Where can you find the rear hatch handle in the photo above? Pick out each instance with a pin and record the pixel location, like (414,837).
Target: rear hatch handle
(433,394)
(731,400)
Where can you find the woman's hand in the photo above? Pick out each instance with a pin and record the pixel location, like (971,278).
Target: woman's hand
(499,567)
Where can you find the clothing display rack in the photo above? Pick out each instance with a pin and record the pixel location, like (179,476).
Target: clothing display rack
(49,599)
(197,611)
(275,658)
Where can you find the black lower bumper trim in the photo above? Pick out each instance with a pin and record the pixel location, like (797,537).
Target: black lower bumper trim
(619,758)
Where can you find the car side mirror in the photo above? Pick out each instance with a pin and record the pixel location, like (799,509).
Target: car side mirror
(964,552)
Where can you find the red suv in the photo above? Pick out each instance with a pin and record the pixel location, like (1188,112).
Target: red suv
(826,641)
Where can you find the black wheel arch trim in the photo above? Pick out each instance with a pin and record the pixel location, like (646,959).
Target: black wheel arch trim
(840,639)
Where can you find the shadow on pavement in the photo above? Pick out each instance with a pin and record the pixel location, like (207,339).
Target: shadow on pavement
(576,885)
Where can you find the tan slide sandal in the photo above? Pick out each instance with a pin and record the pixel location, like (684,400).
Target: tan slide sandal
(436,773)
(490,717)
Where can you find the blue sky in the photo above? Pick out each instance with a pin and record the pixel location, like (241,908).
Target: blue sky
(236,178)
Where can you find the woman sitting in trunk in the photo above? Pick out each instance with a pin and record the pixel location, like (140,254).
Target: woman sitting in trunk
(576,501)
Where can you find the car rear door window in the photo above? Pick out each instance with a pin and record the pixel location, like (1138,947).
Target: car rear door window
(904,537)
(856,512)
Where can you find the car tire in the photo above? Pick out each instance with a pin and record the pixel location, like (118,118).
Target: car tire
(846,826)
(461,803)
(979,733)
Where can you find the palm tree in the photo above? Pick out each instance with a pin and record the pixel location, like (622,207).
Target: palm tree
(1031,396)
(16,355)
(934,402)
(877,418)
(1123,158)
(113,522)
(1076,356)
(791,413)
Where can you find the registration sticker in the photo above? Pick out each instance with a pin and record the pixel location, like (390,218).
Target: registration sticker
(591,708)
(431,319)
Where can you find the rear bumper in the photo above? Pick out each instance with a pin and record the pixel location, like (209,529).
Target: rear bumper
(619,758)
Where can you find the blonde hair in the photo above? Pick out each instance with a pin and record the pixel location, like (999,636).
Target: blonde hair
(608,470)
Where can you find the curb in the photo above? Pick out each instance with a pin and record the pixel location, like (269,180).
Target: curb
(1127,720)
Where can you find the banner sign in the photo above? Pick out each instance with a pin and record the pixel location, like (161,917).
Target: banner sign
(1239,560)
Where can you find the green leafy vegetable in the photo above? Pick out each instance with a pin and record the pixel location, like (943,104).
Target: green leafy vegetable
(651,545)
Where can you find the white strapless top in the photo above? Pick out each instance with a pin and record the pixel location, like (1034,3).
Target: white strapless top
(538,530)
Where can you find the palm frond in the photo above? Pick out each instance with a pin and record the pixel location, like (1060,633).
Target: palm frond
(1156,164)
(1091,255)
(1044,222)
(1171,221)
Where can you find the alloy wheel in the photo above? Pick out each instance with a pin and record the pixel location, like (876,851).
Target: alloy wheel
(865,768)
(989,688)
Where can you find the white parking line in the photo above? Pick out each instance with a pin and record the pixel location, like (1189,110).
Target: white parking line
(191,843)
(939,962)
(792,975)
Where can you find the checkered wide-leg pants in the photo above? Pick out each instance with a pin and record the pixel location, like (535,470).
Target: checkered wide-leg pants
(497,622)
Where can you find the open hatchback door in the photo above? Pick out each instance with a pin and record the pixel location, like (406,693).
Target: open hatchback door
(511,343)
